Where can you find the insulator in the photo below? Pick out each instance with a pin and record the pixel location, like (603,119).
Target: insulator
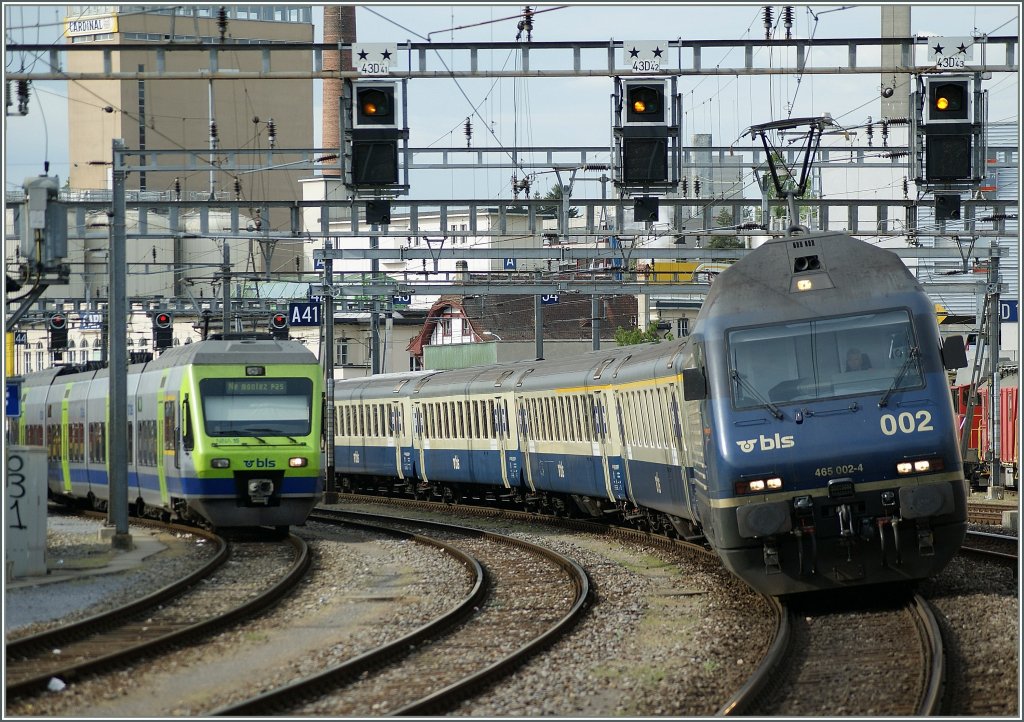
(177,189)
(767,22)
(696,187)
(222,21)
(23,97)
(898,121)
(468,130)
(238,190)
(526,24)
(154,254)
(7,93)
(787,20)
(870,131)
(272,132)
(685,187)
(906,188)
(213,131)
(885,133)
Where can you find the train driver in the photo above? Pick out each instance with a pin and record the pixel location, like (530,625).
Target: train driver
(856,360)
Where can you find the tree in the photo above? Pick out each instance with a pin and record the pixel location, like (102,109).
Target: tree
(789,182)
(624,337)
(555,194)
(724,242)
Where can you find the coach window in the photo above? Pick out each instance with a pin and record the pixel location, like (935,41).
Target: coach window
(169,425)
(645,416)
(506,429)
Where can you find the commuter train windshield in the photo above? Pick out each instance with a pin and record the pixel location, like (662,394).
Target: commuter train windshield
(257,406)
(872,353)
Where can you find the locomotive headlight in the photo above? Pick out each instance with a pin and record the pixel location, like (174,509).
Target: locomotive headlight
(756,486)
(220,463)
(804,284)
(921,466)
(297,461)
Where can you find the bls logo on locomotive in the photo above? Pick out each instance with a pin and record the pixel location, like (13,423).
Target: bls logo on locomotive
(260,463)
(766,443)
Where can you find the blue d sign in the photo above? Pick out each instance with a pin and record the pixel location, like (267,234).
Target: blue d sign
(1008,310)
(12,399)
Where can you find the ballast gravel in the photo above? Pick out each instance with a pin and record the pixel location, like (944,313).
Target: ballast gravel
(666,636)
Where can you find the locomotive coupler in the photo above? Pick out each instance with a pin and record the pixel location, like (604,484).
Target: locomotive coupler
(895,523)
(845,520)
(925,539)
(260,490)
(889,505)
(803,508)
(771,559)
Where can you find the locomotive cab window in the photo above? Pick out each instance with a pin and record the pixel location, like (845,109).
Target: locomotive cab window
(257,407)
(811,360)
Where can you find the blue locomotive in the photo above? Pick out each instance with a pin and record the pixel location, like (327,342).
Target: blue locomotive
(223,431)
(805,429)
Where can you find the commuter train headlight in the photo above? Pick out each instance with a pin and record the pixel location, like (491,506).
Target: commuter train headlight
(220,463)
(758,485)
(920,466)
(297,461)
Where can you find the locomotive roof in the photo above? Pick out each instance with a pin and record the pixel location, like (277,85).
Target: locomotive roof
(766,278)
(235,351)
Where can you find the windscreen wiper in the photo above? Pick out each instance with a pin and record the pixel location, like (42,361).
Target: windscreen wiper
(269,432)
(755,393)
(911,357)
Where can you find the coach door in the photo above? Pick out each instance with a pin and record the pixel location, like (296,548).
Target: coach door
(396,435)
(419,437)
(501,431)
(624,445)
(599,417)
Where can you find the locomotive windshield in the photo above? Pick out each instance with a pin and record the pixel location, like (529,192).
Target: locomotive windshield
(257,406)
(823,358)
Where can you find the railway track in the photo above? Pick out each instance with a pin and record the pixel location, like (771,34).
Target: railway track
(1000,548)
(177,612)
(818,650)
(524,597)
(990,514)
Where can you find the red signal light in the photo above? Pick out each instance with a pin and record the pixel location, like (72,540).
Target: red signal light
(162,320)
(279,321)
(58,322)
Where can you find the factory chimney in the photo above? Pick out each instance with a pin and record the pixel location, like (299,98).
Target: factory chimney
(339,27)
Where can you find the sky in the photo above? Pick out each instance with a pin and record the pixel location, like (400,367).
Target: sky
(562,112)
